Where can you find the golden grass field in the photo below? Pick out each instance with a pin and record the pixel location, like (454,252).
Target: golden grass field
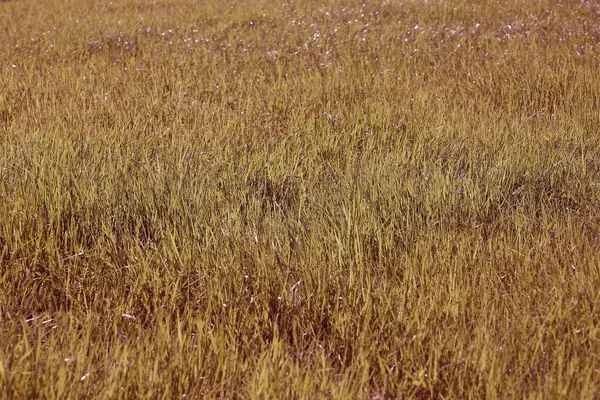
(299,199)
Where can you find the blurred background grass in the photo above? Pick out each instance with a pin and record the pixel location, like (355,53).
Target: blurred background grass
(303,199)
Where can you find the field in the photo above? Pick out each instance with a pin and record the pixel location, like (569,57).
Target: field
(299,199)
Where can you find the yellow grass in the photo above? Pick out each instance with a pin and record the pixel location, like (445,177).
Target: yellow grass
(299,199)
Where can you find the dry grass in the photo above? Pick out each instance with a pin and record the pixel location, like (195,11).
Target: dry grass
(258,199)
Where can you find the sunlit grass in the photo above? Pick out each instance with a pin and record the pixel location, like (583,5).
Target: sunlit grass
(299,200)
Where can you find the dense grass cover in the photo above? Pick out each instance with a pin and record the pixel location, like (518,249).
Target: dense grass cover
(299,199)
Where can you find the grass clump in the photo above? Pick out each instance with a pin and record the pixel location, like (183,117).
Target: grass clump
(305,199)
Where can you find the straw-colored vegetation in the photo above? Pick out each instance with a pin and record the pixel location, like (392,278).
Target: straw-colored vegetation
(299,199)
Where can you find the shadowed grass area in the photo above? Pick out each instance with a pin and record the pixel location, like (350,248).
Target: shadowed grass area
(260,199)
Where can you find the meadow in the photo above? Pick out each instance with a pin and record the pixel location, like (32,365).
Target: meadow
(299,199)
